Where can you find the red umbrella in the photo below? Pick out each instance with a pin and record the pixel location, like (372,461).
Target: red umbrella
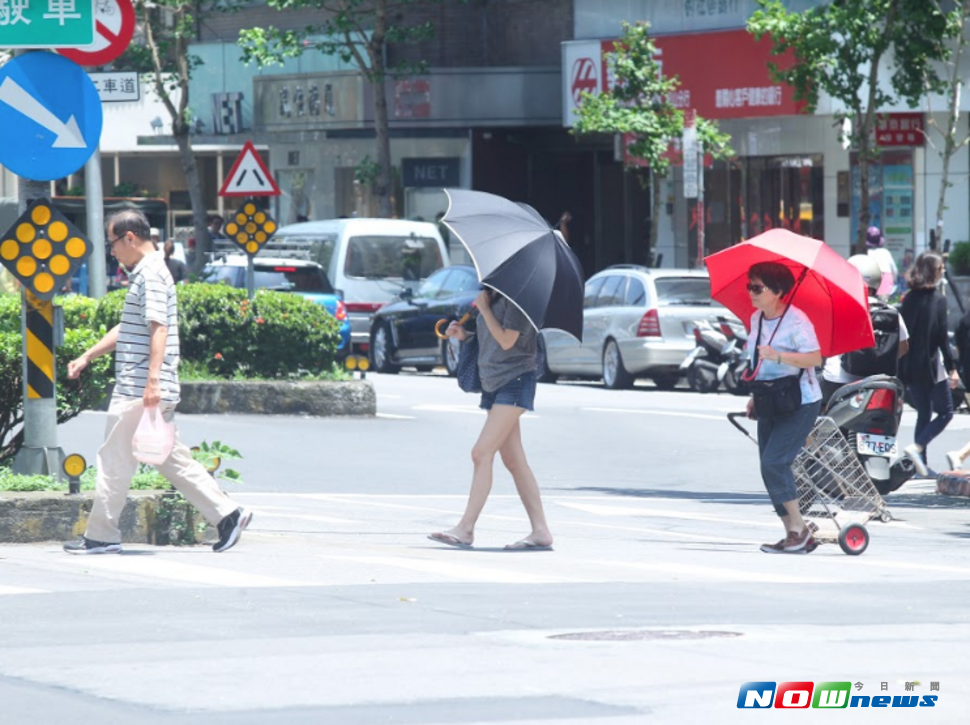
(832,292)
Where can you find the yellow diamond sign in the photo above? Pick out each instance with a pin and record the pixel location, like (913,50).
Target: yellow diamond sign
(250,228)
(43,249)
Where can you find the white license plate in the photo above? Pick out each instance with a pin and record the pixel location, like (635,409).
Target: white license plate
(873,445)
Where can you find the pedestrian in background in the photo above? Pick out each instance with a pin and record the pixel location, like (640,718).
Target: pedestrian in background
(928,369)
(783,343)
(146,376)
(876,248)
(176,267)
(507,364)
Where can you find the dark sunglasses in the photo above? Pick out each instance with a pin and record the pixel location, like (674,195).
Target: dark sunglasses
(756,289)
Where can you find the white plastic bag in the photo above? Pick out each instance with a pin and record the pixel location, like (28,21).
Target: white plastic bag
(154,438)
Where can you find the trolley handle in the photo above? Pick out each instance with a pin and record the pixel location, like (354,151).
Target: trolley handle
(733,419)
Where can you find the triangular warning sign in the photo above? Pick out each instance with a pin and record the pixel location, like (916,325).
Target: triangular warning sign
(249,176)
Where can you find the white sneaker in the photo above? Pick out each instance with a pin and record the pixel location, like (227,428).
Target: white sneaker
(954,461)
(914,454)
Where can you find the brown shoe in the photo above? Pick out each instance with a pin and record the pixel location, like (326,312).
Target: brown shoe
(797,541)
(778,548)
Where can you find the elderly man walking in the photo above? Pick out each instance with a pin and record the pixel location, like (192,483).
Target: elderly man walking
(146,376)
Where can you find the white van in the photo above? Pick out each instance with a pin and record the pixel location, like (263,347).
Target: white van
(369,261)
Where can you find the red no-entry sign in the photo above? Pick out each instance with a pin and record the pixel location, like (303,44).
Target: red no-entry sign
(114,27)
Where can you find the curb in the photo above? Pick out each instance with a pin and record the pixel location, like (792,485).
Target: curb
(267,397)
(149,517)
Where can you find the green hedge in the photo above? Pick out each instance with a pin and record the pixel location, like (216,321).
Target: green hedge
(73,396)
(275,335)
(959,258)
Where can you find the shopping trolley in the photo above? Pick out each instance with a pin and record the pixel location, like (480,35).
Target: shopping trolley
(835,495)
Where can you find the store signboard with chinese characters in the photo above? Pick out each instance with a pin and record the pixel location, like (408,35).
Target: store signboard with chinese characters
(116,87)
(742,88)
(310,100)
(46,23)
(900,129)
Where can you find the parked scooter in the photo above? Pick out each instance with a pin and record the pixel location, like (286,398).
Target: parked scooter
(735,361)
(702,363)
(868,413)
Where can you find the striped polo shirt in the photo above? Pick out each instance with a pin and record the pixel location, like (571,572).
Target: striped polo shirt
(150,298)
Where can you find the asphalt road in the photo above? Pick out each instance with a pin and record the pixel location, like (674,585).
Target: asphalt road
(335,608)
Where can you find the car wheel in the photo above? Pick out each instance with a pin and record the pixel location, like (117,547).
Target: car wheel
(381,350)
(666,382)
(615,376)
(450,350)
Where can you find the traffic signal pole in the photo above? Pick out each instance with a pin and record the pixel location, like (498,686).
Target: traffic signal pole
(40,453)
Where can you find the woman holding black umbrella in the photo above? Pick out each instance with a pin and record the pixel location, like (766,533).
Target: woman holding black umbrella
(507,364)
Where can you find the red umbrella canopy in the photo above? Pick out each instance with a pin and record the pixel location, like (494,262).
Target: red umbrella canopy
(832,294)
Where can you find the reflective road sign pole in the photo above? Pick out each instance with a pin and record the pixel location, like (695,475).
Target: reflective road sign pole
(40,453)
(94,205)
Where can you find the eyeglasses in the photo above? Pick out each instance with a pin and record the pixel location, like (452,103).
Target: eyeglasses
(116,239)
(756,289)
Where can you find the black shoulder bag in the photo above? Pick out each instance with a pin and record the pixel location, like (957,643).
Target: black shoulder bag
(774,398)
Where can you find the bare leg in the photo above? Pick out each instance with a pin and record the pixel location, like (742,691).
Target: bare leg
(500,422)
(793,520)
(964,452)
(513,456)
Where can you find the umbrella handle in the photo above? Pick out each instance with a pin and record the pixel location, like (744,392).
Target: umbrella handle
(439,323)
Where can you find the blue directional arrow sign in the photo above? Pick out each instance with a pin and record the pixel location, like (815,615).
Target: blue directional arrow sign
(50,114)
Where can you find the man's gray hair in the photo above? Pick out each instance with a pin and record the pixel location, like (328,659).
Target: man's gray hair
(129,220)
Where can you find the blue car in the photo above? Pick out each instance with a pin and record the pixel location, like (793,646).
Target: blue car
(285,275)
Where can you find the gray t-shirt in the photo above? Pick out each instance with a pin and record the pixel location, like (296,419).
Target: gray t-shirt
(150,298)
(495,365)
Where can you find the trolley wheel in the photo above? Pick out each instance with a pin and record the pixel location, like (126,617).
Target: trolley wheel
(885,517)
(812,546)
(854,539)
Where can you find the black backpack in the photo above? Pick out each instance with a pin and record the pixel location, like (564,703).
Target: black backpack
(883,357)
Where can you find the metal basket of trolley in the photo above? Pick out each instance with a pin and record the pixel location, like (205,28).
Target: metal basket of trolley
(835,494)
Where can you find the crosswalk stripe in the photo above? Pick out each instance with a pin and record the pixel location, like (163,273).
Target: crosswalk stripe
(710,573)
(154,568)
(21,590)
(642,411)
(462,571)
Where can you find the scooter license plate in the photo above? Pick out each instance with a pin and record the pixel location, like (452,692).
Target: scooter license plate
(874,445)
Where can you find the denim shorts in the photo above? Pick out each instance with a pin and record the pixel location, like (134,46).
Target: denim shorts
(519,392)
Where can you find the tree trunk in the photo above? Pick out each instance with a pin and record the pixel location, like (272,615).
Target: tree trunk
(382,186)
(654,216)
(863,218)
(203,244)
(953,119)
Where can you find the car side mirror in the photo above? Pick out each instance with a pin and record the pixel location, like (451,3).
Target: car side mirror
(407,294)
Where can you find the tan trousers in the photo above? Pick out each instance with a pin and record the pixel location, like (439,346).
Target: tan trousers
(117,466)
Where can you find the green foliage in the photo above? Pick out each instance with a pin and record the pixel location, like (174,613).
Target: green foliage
(959,258)
(356,31)
(275,335)
(73,396)
(107,314)
(838,47)
(639,104)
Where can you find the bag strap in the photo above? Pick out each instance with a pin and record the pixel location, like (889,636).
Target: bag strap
(748,375)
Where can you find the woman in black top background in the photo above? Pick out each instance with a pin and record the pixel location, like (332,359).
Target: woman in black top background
(928,369)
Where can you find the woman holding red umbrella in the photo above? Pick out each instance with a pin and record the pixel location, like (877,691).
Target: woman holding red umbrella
(783,343)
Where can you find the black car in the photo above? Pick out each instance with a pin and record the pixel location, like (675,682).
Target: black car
(402,332)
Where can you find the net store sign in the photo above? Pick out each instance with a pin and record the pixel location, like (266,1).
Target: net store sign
(46,23)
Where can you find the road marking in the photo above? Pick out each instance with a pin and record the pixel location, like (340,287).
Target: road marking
(600,510)
(674,413)
(392,416)
(276,512)
(463,571)
(709,573)
(21,590)
(157,568)
(474,409)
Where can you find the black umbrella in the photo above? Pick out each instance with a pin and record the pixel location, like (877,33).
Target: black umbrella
(516,252)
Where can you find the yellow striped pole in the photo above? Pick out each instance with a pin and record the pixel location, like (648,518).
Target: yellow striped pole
(38,347)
